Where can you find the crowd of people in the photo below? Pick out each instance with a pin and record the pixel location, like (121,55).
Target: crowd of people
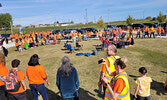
(113,76)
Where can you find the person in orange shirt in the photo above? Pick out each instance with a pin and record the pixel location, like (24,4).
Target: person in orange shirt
(159,31)
(42,41)
(146,29)
(12,37)
(152,30)
(20,94)
(26,43)
(22,45)
(111,52)
(3,72)
(20,37)
(54,39)
(31,42)
(37,76)
(17,45)
(118,87)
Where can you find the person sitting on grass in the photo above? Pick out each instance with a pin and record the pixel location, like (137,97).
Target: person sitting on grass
(142,91)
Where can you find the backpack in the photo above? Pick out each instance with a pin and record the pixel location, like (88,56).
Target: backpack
(12,83)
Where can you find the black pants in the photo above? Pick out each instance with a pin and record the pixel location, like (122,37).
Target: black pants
(3,93)
(104,90)
(19,96)
(5,51)
(143,98)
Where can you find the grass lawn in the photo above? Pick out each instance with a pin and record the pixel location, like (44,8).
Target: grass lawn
(151,53)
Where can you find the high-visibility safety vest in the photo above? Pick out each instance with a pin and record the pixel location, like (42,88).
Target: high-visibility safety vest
(125,94)
(111,60)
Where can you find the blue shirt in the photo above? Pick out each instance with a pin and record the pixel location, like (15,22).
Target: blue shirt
(68,85)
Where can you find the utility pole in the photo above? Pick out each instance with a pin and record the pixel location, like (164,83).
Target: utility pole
(94,19)
(108,16)
(86,16)
(11,25)
(143,16)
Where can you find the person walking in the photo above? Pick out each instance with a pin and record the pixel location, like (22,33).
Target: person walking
(36,75)
(111,52)
(142,91)
(67,80)
(118,87)
(3,72)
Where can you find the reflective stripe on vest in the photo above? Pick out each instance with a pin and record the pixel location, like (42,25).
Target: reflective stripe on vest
(124,95)
(111,65)
(107,94)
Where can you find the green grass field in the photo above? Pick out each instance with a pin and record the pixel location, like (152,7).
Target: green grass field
(151,53)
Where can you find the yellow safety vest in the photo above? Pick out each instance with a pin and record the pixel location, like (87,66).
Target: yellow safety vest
(111,60)
(125,94)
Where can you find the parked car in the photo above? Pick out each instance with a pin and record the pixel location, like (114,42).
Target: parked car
(138,25)
(122,26)
(90,29)
(150,25)
(111,26)
(55,31)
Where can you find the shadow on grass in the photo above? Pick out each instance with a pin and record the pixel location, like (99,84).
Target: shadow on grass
(133,76)
(83,95)
(99,94)
(51,95)
(158,86)
(163,72)
(86,95)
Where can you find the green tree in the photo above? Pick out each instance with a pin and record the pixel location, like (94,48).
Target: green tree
(129,20)
(149,17)
(100,22)
(6,21)
(90,22)
(160,18)
(72,22)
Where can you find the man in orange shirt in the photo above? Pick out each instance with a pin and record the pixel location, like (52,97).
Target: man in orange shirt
(152,30)
(20,94)
(3,72)
(111,52)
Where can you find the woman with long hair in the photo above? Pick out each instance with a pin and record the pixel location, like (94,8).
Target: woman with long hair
(3,72)
(118,88)
(37,76)
(67,80)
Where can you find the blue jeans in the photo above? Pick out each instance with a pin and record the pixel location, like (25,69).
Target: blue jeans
(35,88)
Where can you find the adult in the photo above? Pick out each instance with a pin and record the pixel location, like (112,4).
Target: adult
(111,52)
(152,30)
(3,72)
(118,88)
(36,75)
(67,80)
(4,47)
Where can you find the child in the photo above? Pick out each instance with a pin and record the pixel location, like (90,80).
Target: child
(20,94)
(142,91)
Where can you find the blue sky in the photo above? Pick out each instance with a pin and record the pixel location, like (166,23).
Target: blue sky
(26,12)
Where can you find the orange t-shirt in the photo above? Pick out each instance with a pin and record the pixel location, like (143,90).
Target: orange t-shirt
(21,77)
(36,74)
(119,85)
(3,72)
(16,44)
(103,69)
(22,44)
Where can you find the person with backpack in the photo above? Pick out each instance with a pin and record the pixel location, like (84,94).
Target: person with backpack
(3,72)
(37,76)
(18,93)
